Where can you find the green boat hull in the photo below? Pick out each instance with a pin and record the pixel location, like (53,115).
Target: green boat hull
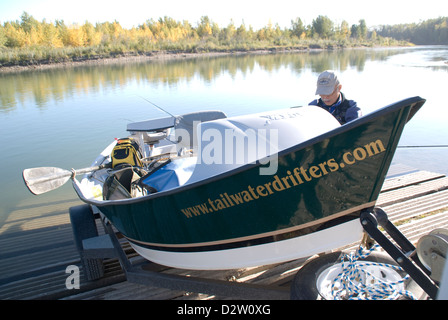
(319,184)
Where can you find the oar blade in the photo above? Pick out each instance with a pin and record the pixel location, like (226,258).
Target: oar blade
(44,179)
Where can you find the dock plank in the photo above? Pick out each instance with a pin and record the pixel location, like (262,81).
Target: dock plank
(412,191)
(416,206)
(409,179)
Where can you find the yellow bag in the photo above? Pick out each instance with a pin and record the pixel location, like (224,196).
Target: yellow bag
(127,151)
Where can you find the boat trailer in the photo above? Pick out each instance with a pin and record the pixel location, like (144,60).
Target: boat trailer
(425,264)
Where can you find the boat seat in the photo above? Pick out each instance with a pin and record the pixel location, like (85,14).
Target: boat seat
(186,124)
(153,137)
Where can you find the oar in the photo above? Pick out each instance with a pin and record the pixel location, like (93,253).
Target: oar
(44,179)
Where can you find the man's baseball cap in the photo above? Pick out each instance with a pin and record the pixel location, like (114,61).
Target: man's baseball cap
(326,83)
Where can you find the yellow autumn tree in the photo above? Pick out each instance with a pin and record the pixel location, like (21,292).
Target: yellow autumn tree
(91,36)
(15,36)
(115,30)
(74,36)
(145,32)
(50,36)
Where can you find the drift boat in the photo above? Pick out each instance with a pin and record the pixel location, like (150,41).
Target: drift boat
(206,191)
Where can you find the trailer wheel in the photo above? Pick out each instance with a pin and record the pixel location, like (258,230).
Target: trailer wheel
(315,279)
(84,227)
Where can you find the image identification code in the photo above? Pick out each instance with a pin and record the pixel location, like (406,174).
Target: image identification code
(232,309)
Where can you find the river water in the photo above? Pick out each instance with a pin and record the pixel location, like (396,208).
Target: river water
(63,117)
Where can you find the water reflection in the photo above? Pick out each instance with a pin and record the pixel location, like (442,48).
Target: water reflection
(40,87)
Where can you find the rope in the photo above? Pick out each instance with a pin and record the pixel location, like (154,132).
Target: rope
(351,282)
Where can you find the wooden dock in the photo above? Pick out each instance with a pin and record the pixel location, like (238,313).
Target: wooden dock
(37,246)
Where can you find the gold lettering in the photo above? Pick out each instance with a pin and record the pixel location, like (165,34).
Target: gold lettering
(211,203)
(345,158)
(246,196)
(224,201)
(285,181)
(260,190)
(291,178)
(268,186)
(313,173)
(186,212)
(323,168)
(219,204)
(251,190)
(298,176)
(374,148)
(360,154)
(277,184)
(303,172)
(228,199)
(237,198)
(333,165)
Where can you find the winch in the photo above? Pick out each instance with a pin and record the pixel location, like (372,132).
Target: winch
(432,250)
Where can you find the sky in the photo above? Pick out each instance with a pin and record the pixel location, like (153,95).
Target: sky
(255,13)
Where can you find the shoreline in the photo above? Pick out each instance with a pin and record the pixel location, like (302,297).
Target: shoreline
(166,55)
(105,60)
(150,56)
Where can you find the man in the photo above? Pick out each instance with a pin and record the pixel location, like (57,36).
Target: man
(333,100)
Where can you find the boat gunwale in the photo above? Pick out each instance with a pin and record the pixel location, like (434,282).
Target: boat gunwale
(414,103)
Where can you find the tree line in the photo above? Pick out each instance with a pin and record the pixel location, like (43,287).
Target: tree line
(29,32)
(432,31)
(31,41)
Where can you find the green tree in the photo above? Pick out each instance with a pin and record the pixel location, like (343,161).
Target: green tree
(297,28)
(322,26)
(354,30)
(266,33)
(228,32)
(241,33)
(204,28)
(362,29)
(345,30)
(2,37)
(28,22)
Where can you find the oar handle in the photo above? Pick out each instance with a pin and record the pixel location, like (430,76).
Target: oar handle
(87,170)
(72,173)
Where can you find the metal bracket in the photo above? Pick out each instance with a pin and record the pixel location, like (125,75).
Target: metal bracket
(370,219)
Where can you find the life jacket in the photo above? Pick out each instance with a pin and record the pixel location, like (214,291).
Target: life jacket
(126,151)
(340,111)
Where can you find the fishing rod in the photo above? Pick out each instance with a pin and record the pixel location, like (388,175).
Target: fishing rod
(160,108)
(428,146)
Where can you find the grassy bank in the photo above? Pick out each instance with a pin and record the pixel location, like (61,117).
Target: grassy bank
(40,55)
